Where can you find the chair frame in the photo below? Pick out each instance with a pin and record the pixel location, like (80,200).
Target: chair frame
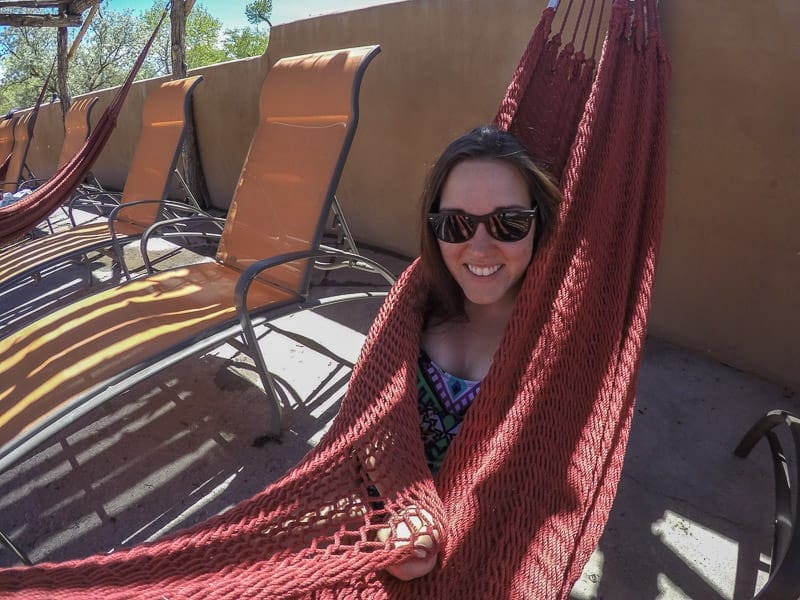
(784,573)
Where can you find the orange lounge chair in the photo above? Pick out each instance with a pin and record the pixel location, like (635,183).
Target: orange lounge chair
(77,126)
(63,365)
(19,154)
(163,126)
(6,142)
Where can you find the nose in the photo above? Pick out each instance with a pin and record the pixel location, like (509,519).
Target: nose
(481,240)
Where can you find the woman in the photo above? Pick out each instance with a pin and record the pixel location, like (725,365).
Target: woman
(484,208)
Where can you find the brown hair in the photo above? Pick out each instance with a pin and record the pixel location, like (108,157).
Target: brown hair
(445,299)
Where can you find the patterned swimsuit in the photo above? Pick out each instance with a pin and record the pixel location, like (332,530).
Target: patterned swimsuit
(443,400)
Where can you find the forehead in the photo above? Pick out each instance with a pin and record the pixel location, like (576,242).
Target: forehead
(480,186)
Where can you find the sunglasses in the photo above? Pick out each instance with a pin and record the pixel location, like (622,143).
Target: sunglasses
(504,224)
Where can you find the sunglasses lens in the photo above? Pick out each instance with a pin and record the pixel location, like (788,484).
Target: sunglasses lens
(510,227)
(453,229)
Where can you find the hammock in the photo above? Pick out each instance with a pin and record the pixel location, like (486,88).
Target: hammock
(22,216)
(525,489)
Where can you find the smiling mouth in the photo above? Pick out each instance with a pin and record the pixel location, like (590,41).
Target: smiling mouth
(483,271)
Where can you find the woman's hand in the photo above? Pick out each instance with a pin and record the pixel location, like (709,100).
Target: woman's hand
(424,538)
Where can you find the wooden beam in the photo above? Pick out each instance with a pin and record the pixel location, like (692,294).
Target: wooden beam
(76,7)
(32,3)
(71,6)
(40,20)
(85,26)
(61,76)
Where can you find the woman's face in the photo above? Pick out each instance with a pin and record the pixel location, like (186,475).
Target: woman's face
(487,270)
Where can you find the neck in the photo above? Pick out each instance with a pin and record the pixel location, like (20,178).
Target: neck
(490,317)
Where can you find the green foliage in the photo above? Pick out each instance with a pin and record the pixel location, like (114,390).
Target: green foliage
(109,48)
(27,55)
(244,42)
(258,11)
(107,52)
(202,39)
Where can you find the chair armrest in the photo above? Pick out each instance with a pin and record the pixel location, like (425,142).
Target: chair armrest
(784,576)
(31,183)
(180,221)
(113,216)
(254,270)
(89,196)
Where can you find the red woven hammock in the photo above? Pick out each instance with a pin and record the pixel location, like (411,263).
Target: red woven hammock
(22,216)
(526,487)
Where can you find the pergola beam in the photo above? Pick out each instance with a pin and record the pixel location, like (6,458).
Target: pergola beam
(76,7)
(32,3)
(67,20)
(69,13)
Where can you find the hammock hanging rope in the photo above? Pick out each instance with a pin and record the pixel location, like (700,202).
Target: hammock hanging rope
(19,218)
(525,489)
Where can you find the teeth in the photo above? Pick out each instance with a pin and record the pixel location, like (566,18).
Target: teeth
(483,271)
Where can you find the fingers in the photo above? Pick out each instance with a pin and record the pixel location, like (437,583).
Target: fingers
(414,567)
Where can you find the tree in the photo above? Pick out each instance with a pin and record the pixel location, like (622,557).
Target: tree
(202,40)
(244,42)
(258,11)
(108,51)
(110,46)
(27,55)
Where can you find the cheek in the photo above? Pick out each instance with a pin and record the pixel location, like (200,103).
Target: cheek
(520,257)
(450,256)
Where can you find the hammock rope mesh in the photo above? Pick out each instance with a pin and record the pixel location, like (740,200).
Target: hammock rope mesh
(525,489)
(20,217)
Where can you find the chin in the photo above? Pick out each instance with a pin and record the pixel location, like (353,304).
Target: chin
(484,299)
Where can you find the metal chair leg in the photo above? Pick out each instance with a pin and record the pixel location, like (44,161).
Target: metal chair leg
(20,554)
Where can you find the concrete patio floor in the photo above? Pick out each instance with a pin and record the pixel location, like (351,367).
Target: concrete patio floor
(690,519)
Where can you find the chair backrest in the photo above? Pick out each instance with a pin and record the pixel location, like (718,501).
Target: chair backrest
(19,154)
(307,119)
(77,125)
(163,125)
(6,137)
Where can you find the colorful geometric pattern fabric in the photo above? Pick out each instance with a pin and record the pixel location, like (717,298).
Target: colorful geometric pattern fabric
(443,401)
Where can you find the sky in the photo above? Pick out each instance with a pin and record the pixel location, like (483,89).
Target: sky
(231,12)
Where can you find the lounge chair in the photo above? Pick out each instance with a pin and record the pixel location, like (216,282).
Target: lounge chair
(19,155)
(163,126)
(77,125)
(60,367)
(6,141)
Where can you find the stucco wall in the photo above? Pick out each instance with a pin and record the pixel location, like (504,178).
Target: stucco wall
(728,282)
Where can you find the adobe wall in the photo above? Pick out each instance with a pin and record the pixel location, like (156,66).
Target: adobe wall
(728,282)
